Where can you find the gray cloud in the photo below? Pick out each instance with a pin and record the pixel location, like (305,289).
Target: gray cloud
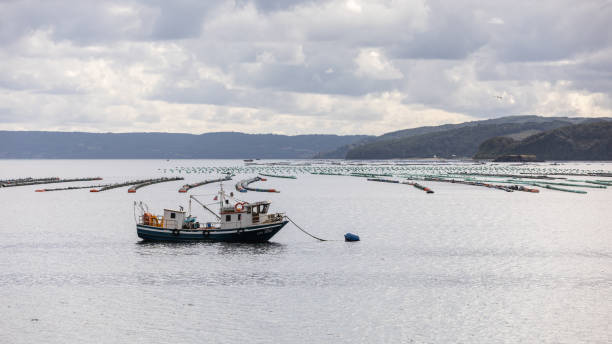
(275,5)
(452,33)
(345,65)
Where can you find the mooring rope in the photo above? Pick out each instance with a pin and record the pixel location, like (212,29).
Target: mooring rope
(300,228)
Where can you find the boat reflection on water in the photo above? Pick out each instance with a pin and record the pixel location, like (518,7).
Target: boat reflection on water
(186,248)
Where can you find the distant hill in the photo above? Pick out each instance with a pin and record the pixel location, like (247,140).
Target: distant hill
(501,120)
(342,152)
(222,145)
(452,140)
(588,141)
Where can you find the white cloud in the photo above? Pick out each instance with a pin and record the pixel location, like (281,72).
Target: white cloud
(341,66)
(371,63)
(354,6)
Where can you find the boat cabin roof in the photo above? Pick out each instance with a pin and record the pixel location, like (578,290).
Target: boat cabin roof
(175,211)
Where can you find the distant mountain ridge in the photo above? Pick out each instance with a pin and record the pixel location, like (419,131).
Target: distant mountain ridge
(453,140)
(220,145)
(445,141)
(587,141)
(342,152)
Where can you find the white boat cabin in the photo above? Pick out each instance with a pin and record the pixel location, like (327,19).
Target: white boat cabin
(173,219)
(246,214)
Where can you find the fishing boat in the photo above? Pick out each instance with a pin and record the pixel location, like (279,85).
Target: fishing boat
(237,221)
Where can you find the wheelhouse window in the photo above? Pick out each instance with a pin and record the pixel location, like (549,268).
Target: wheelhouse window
(228,218)
(173,215)
(239,217)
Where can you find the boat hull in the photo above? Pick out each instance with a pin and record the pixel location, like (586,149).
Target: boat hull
(251,234)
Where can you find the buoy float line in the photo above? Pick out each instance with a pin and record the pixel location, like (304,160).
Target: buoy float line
(118,185)
(243,185)
(397,168)
(277,176)
(72,188)
(133,188)
(546,186)
(52,180)
(419,186)
(188,187)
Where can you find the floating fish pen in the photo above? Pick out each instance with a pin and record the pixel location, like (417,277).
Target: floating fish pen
(278,176)
(133,188)
(72,188)
(383,180)
(599,182)
(419,186)
(389,169)
(243,185)
(188,187)
(130,183)
(52,180)
(473,183)
(546,186)
(328,174)
(103,187)
(523,188)
(371,175)
(416,185)
(563,184)
(25,181)
(509,175)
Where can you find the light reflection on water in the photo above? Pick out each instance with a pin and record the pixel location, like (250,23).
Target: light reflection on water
(463,265)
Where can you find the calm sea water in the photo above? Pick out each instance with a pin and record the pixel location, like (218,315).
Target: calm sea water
(464,265)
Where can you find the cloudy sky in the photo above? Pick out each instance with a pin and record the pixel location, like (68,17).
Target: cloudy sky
(297,67)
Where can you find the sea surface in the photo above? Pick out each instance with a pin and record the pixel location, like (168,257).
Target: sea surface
(463,265)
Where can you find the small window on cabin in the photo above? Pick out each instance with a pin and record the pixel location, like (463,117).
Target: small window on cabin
(239,217)
(228,217)
(173,215)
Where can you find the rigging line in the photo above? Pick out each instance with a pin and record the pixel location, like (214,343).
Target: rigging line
(300,228)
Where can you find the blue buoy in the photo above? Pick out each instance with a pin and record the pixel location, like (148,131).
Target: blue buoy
(351,237)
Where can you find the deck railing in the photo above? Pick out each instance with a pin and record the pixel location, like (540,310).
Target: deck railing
(162,223)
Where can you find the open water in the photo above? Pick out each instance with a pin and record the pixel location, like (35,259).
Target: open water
(463,265)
